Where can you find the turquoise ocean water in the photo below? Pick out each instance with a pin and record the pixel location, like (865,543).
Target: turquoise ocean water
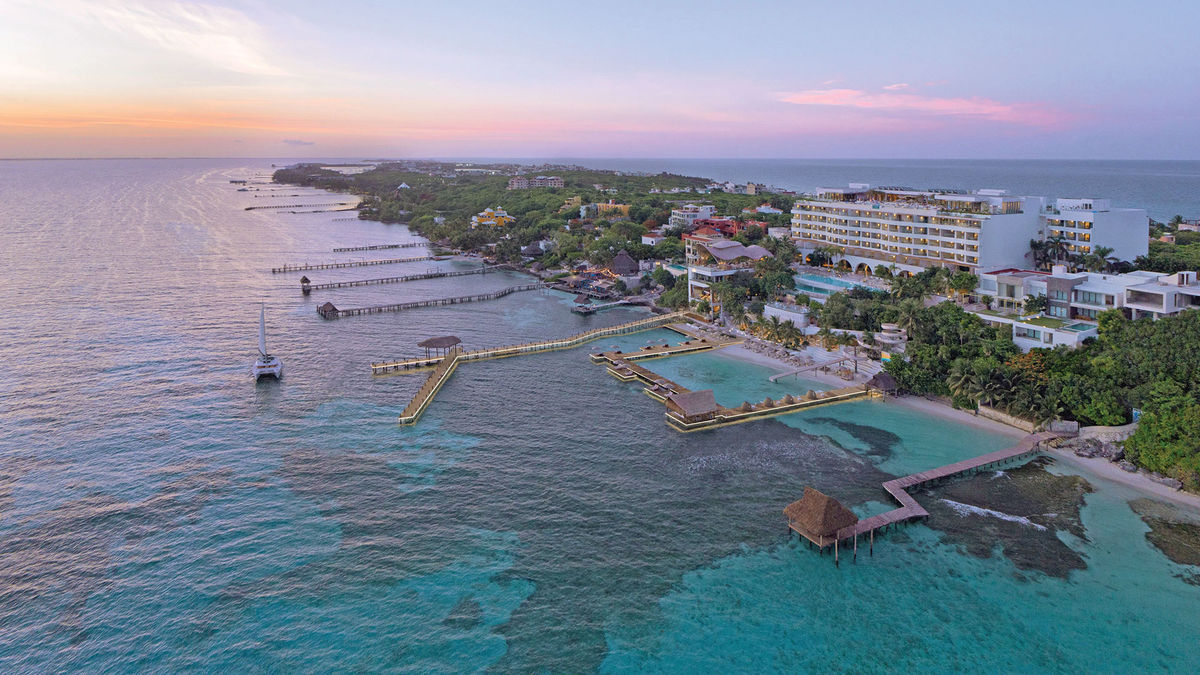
(158,511)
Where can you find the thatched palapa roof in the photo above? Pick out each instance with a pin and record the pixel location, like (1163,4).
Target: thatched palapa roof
(444,342)
(819,514)
(623,264)
(883,382)
(694,403)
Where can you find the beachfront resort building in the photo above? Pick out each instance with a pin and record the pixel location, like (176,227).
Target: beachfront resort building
(525,182)
(712,258)
(490,217)
(914,229)
(685,216)
(910,230)
(1075,299)
(1088,223)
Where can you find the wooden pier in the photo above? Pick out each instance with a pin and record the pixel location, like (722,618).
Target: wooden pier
(531,347)
(712,415)
(445,365)
(350,263)
(335,313)
(299,206)
(380,247)
(420,401)
(394,280)
(592,309)
(909,508)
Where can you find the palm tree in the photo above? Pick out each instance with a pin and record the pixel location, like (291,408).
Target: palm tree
(909,311)
(773,327)
(1039,253)
(1058,248)
(962,380)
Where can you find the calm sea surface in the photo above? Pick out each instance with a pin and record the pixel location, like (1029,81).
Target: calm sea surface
(1163,188)
(158,511)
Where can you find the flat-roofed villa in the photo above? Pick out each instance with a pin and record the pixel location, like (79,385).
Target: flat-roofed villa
(1075,299)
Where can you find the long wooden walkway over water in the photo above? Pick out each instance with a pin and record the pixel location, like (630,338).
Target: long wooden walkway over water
(420,401)
(401,306)
(445,365)
(909,508)
(349,263)
(531,347)
(396,280)
(299,206)
(380,247)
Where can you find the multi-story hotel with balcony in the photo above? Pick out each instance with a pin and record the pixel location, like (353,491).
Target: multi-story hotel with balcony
(909,230)
(1088,223)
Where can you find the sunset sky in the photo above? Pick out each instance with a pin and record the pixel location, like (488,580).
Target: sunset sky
(90,78)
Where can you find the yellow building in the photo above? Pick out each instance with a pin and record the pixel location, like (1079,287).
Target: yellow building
(611,208)
(489,217)
(571,204)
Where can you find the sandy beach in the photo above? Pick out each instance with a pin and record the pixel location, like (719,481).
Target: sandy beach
(740,352)
(1104,469)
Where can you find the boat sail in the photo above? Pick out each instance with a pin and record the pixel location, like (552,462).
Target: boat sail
(266,365)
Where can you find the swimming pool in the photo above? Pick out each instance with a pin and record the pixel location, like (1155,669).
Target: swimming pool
(1079,327)
(801,286)
(832,281)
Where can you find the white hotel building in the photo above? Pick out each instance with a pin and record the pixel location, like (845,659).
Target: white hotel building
(910,230)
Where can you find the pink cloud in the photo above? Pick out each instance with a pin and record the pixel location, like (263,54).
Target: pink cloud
(975,107)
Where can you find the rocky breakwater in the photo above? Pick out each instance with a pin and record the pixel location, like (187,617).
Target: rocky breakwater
(1099,447)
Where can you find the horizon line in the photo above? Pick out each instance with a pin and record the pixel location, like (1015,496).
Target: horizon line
(584,157)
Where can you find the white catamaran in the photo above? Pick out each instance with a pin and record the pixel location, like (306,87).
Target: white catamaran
(266,365)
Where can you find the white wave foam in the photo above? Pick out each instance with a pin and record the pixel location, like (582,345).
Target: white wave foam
(967,509)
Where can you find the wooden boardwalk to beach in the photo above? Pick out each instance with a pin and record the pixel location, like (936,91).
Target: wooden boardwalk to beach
(909,508)
(396,280)
(349,263)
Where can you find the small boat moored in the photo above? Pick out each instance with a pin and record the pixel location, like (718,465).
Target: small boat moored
(265,365)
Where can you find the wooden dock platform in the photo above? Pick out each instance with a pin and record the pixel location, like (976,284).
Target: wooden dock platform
(445,365)
(621,366)
(909,508)
(401,306)
(350,263)
(379,247)
(395,280)
(420,401)
(531,347)
(769,408)
(659,351)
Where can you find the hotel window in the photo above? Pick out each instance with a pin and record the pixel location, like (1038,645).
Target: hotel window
(1057,310)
